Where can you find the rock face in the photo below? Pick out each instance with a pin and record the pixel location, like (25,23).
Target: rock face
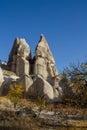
(20,60)
(8,78)
(58,92)
(41,88)
(42,66)
(26,81)
(44,63)
(7,82)
(19,57)
(1,77)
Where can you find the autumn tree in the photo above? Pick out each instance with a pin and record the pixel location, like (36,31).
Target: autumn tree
(16,92)
(78,76)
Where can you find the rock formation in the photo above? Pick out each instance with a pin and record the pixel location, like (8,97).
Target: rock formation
(41,88)
(39,75)
(20,60)
(8,79)
(26,81)
(1,77)
(44,63)
(19,57)
(55,83)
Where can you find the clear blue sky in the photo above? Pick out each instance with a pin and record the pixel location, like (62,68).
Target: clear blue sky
(63,23)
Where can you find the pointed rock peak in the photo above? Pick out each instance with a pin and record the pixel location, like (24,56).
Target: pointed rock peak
(16,39)
(19,46)
(23,42)
(19,55)
(15,46)
(42,42)
(42,38)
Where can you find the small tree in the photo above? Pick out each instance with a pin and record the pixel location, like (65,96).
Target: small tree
(78,76)
(16,92)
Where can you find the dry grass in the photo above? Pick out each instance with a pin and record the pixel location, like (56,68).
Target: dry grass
(67,110)
(26,103)
(57,108)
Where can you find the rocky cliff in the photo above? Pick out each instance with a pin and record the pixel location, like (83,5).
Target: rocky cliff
(38,75)
(19,57)
(1,77)
(44,63)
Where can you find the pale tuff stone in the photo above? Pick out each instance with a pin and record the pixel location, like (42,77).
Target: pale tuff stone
(3,64)
(19,61)
(8,79)
(1,77)
(58,92)
(41,88)
(44,63)
(26,81)
(19,57)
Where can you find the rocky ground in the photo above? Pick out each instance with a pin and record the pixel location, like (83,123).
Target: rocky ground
(28,114)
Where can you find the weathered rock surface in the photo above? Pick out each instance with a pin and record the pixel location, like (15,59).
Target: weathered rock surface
(44,63)
(42,89)
(48,83)
(3,65)
(8,79)
(19,57)
(1,77)
(26,81)
(58,92)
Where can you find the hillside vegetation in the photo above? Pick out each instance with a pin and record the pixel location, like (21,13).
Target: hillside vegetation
(77,75)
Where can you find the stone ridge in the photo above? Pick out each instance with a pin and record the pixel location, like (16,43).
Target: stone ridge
(42,42)
(19,56)
(1,77)
(37,75)
(43,62)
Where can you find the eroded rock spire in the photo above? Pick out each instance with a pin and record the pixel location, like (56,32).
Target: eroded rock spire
(19,57)
(44,62)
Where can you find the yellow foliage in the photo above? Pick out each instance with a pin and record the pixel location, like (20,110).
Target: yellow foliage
(15,93)
(42,101)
